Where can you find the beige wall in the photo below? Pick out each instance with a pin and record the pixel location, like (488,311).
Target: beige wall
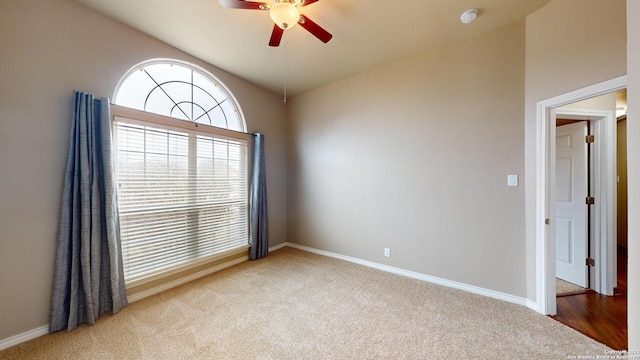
(633,170)
(414,156)
(570,44)
(49,48)
(606,102)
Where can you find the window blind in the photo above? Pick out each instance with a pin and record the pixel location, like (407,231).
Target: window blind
(182,195)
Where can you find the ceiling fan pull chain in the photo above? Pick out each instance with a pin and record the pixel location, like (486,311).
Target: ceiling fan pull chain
(286,69)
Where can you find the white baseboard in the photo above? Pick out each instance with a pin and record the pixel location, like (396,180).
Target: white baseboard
(278,247)
(25,336)
(534,306)
(158,289)
(418,276)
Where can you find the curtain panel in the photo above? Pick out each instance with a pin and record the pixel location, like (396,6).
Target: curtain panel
(88,275)
(258,217)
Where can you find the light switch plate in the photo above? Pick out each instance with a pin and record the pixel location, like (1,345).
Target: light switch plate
(512,180)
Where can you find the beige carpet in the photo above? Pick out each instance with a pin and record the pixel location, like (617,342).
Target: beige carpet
(298,305)
(563,287)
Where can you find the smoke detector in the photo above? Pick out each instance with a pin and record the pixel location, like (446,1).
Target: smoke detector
(468,16)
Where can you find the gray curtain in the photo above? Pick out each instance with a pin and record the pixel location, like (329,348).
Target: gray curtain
(258,218)
(88,276)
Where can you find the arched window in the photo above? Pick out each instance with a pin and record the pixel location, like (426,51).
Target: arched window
(182,187)
(180,91)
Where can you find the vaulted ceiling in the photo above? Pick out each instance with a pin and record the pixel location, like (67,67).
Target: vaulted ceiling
(366,34)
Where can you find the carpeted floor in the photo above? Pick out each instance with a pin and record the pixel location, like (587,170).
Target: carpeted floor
(563,287)
(298,305)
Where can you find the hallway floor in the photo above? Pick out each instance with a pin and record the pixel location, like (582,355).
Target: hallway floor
(602,318)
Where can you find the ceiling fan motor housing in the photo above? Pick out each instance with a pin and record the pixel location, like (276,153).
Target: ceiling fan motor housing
(284,14)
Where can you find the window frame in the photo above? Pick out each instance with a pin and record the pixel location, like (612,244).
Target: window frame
(135,115)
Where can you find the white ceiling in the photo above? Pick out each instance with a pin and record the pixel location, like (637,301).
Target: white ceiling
(366,34)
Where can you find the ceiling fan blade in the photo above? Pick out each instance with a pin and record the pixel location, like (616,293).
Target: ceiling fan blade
(309,2)
(239,4)
(315,29)
(276,36)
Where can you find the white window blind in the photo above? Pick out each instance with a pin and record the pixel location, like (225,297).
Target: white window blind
(182,195)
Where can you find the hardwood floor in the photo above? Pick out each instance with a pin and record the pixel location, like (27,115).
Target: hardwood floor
(602,318)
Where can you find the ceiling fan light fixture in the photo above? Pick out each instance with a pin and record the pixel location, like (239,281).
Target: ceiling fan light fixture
(284,14)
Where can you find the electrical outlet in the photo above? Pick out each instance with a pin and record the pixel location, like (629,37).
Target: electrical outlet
(387,252)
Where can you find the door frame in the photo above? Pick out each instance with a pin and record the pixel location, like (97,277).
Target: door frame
(605,187)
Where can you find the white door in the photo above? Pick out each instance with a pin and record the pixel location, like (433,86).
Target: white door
(571,208)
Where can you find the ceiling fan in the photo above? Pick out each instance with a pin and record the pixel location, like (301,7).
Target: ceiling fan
(285,15)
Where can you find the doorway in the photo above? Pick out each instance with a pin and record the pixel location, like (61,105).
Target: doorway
(585,231)
(601,223)
(582,211)
(545,192)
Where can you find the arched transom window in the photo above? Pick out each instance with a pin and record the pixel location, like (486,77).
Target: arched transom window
(180,91)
